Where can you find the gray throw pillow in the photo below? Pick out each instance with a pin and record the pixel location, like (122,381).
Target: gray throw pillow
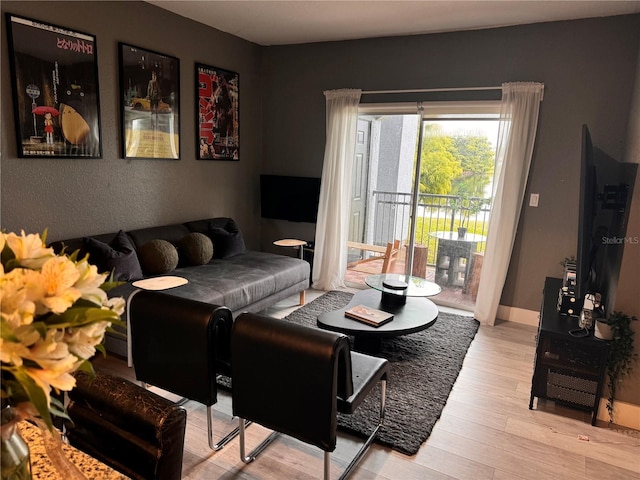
(158,257)
(195,249)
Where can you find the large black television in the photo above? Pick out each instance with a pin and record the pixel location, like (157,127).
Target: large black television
(606,186)
(289,198)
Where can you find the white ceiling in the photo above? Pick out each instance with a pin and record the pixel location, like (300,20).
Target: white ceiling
(268,22)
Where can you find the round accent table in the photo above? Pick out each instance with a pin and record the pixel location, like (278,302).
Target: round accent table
(412,311)
(390,284)
(163,282)
(292,242)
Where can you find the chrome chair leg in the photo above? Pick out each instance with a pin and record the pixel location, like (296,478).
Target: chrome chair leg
(213,446)
(256,451)
(226,439)
(327,455)
(354,462)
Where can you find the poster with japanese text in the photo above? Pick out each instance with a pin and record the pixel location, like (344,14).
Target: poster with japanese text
(55,90)
(217,106)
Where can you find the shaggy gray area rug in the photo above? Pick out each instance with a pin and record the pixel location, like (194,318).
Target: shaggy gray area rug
(423,369)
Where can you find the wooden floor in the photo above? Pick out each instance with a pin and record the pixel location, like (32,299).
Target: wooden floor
(486,430)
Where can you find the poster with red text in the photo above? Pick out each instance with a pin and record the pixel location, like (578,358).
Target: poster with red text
(217,106)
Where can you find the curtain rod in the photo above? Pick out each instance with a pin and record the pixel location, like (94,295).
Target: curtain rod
(425,90)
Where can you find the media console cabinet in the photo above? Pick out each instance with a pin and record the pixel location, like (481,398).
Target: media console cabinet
(567,369)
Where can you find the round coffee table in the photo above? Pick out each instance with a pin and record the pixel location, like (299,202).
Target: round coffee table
(393,293)
(412,311)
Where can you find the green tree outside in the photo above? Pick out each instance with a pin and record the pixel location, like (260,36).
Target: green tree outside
(440,166)
(477,159)
(460,165)
(455,165)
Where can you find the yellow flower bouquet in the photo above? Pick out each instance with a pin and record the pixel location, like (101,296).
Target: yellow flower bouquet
(54,312)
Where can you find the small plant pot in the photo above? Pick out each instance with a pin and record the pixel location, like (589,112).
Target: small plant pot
(462,231)
(603,331)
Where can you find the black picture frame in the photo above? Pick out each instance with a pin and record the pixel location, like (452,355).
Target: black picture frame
(218,113)
(54,76)
(149,115)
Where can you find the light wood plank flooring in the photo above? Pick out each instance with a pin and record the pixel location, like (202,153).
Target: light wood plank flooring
(486,430)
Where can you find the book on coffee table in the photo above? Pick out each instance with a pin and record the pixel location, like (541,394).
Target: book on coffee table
(368,315)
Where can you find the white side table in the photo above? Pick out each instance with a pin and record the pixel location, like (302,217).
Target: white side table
(292,242)
(155,283)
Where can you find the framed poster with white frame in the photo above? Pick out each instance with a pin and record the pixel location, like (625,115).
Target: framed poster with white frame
(54,76)
(218,110)
(150,103)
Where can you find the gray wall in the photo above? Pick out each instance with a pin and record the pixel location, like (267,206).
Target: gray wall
(588,68)
(73,197)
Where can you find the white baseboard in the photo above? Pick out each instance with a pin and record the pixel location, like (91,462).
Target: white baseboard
(518,315)
(624,414)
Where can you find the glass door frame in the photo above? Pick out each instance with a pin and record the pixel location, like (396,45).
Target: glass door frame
(428,111)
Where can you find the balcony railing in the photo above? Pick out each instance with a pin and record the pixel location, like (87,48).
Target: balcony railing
(389,214)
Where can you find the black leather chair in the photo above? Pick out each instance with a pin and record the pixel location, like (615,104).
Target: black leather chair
(181,345)
(308,375)
(126,427)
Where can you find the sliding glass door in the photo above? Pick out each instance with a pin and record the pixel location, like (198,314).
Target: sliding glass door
(418,178)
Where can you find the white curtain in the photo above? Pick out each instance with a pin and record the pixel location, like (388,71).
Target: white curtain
(332,227)
(516,136)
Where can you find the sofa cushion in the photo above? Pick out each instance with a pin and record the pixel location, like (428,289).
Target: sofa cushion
(236,282)
(195,249)
(226,237)
(171,233)
(158,257)
(118,256)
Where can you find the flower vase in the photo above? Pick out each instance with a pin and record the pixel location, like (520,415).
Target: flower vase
(462,232)
(14,453)
(52,442)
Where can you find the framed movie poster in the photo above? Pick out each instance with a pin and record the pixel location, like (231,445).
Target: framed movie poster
(150,103)
(54,75)
(218,108)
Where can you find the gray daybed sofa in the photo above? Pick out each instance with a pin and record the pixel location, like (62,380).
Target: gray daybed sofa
(237,278)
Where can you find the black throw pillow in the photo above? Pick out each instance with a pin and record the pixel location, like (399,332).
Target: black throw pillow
(226,237)
(119,257)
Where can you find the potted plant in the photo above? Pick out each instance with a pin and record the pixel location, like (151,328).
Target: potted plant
(621,353)
(467,207)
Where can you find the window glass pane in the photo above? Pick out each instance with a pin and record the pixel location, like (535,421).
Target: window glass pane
(456,173)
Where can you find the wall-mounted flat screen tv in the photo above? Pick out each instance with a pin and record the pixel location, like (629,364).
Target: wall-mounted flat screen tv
(289,198)
(606,187)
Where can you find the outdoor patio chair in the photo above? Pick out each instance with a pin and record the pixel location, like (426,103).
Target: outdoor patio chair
(387,254)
